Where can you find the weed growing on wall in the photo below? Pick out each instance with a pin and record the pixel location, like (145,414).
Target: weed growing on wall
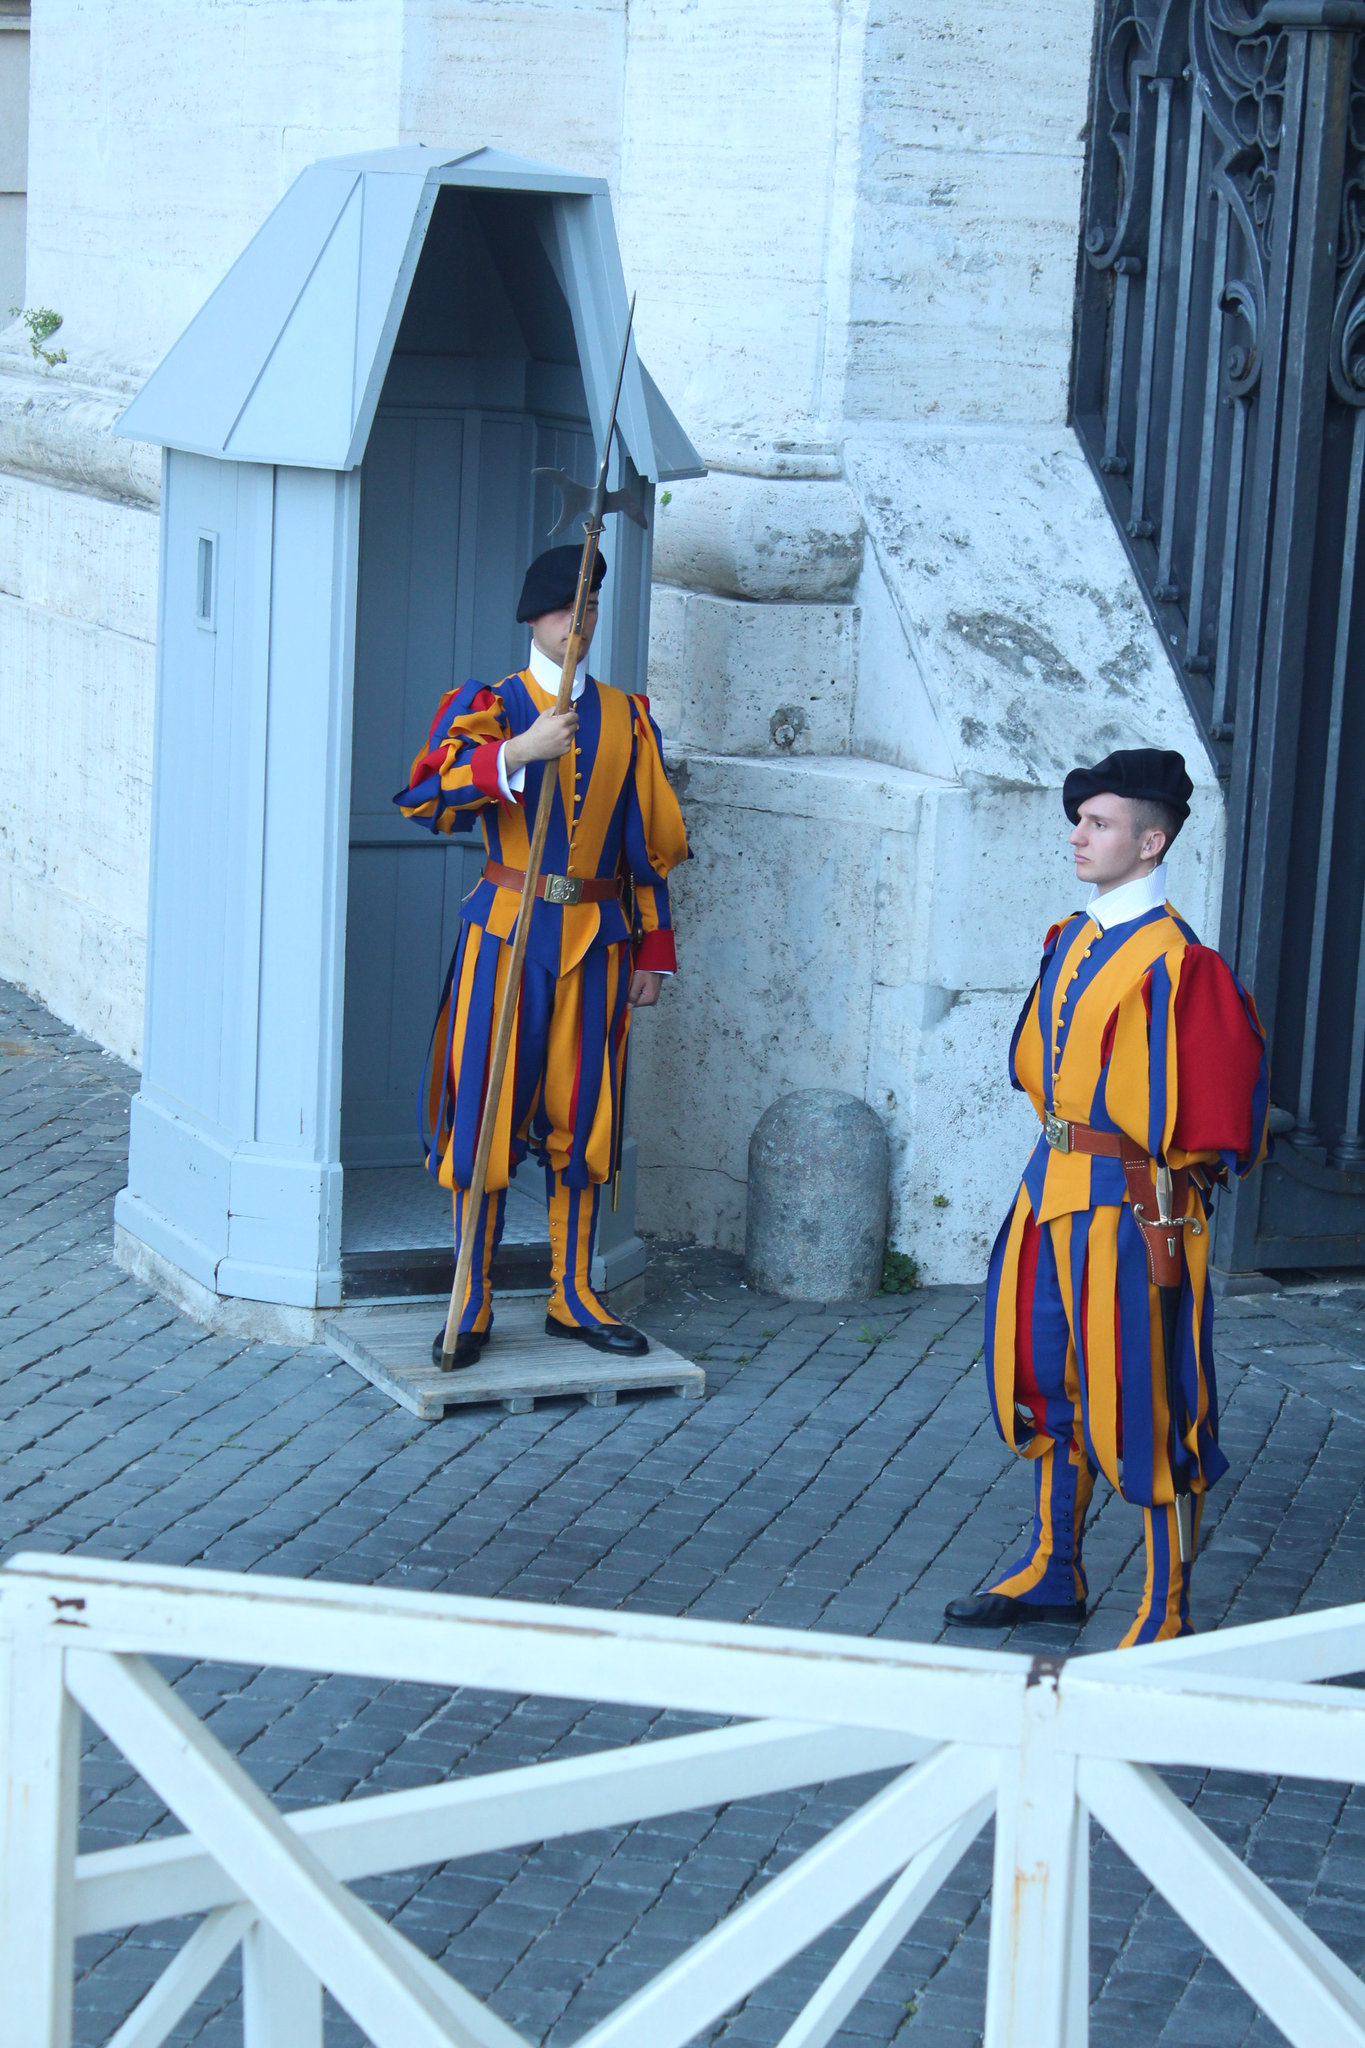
(42,323)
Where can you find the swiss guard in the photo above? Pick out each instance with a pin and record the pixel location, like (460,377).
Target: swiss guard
(1145,1060)
(600,943)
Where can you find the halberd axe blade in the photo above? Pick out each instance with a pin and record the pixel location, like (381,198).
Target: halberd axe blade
(579,501)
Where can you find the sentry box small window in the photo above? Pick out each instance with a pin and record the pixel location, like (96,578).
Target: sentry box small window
(205,578)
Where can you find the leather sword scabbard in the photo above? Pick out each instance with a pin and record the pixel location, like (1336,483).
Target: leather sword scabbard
(1165,1243)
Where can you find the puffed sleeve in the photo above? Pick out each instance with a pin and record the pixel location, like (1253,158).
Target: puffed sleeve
(1187,1074)
(1221,1099)
(655,841)
(456,773)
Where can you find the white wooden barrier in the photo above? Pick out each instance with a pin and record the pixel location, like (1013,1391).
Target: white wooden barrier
(967,1733)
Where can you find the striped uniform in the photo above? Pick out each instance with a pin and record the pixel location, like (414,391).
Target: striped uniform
(1139,1030)
(612,813)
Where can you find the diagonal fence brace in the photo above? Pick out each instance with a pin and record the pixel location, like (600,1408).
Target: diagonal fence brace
(1294,1977)
(194,1968)
(392,1991)
(883,1932)
(872,1845)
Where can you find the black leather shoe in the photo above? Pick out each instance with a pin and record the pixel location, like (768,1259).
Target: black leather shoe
(468,1345)
(1002,1610)
(618,1340)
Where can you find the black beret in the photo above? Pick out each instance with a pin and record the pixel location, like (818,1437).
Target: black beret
(552,581)
(1143,774)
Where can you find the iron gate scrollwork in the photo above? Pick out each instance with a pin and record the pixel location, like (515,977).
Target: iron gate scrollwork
(1220,395)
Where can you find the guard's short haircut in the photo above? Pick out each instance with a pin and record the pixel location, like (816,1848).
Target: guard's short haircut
(1151,815)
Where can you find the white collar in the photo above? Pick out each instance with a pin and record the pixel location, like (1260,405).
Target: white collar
(1132,899)
(547,673)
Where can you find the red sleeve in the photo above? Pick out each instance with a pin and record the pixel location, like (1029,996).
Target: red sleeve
(656,953)
(1218,1057)
(1107,1041)
(483,767)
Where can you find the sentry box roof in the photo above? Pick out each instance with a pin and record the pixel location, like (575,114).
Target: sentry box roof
(285,361)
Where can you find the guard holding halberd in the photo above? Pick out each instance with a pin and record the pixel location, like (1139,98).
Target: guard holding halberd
(1145,1060)
(600,941)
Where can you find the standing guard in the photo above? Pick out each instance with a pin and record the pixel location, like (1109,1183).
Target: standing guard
(1145,1060)
(599,944)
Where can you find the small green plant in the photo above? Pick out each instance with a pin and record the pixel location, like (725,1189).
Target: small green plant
(900,1273)
(665,497)
(870,1334)
(42,323)
(940,1201)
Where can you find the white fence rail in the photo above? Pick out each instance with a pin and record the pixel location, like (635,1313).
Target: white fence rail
(1041,1744)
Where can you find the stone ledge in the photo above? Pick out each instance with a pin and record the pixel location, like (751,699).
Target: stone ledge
(761,538)
(834,787)
(56,426)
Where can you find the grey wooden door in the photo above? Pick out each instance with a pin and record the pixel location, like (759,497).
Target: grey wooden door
(448,522)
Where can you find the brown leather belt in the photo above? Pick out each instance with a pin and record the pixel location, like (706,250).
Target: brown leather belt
(1067,1137)
(556,888)
(1165,1242)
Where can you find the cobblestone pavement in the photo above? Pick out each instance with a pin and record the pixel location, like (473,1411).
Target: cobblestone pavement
(840,1474)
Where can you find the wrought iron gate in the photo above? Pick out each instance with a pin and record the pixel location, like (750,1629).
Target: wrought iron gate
(1220,395)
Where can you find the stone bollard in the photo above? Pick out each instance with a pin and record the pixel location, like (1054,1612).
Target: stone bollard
(819,1165)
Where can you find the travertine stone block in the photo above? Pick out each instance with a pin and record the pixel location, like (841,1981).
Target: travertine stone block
(765,679)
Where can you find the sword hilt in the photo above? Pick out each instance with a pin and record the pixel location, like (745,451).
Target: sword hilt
(1160,1222)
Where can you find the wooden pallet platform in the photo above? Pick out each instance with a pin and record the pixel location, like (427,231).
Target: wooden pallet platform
(391,1347)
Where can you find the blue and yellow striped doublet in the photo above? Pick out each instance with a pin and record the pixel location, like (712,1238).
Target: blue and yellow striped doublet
(613,816)
(1138,1031)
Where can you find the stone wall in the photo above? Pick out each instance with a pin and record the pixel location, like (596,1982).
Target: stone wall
(868,899)
(876,927)
(885,624)
(843,927)
(78,579)
(968,209)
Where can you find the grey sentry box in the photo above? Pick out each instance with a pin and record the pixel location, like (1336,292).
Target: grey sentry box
(350,426)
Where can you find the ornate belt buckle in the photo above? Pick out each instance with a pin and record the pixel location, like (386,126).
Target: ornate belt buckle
(563,889)
(1057,1131)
